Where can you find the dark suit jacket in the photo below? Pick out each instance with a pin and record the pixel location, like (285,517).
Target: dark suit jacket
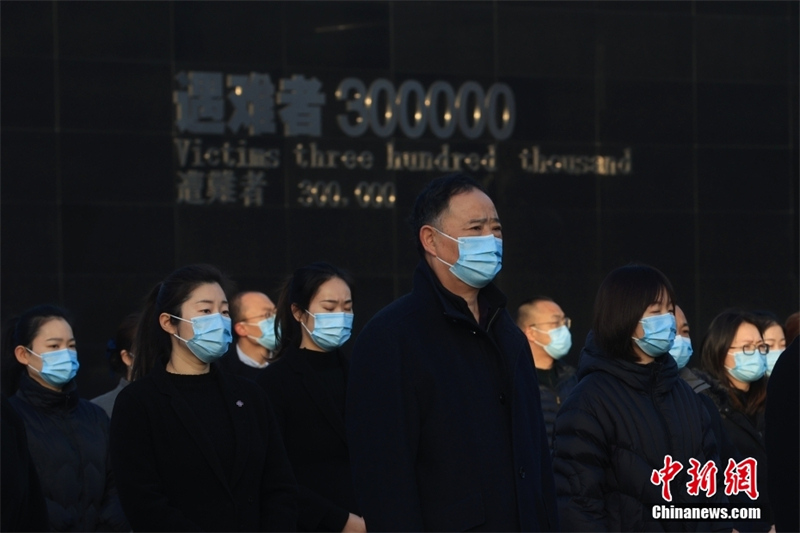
(444,420)
(314,434)
(169,477)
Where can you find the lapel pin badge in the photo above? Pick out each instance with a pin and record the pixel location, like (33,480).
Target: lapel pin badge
(239,403)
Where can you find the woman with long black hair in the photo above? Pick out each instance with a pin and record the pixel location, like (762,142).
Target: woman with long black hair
(733,357)
(195,449)
(307,385)
(630,416)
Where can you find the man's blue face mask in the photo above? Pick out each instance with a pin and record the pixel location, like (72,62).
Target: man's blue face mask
(479,259)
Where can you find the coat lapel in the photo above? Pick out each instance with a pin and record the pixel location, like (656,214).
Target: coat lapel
(319,395)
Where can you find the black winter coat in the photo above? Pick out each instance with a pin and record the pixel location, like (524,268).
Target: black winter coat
(313,432)
(748,437)
(170,477)
(23,507)
(616,427)
(782,416)
(727,450)
(68,443)
(444,419)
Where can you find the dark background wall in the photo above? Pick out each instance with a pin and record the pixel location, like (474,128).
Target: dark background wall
(705,94)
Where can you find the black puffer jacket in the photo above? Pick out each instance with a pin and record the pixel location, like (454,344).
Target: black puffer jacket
(553,396)
(613,431)
(747,436)
(68,442)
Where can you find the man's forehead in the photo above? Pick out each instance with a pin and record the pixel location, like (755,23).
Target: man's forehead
(548,308)
(471,205)
(256,299)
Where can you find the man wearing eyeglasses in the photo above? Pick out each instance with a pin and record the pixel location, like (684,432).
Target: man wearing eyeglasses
(547,330)
(253,319)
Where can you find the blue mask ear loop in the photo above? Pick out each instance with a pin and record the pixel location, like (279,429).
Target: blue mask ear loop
(175,334)
(37,355)
(452,239)
(303,324)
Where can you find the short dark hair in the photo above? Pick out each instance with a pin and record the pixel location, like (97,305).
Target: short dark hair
(621,300)
(299,290)
(435,198)
(21,331)
(235,306)
(526,307)
(153,344)
(714,350)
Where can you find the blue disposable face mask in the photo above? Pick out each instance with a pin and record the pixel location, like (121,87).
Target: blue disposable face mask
(479,259)
(58,367)
(681,350)
(331,330)
(560,342)
(748,368)
(772,358)
(659,334)
(212,336)
(267,338)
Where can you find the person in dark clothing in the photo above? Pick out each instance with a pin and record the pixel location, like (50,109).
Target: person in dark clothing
(195,449)
(120,357)
(682,351)
(443,414)
(782,435)
(547,329)
(306,386)
(254,343)
(67,436)
(733,360)
(23,507)
(628,413)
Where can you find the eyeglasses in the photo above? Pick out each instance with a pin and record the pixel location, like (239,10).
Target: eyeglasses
(268,314)
(566,321)
(750,349)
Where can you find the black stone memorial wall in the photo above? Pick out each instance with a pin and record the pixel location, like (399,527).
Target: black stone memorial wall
(136,138)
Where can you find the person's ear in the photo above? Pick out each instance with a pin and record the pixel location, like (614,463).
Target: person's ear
(426,236)
(297,313)
(241,329)
(21,354)
(531,334)
(127,358)
(165,320)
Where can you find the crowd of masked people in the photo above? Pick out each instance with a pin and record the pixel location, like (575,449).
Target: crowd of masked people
(234,413)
